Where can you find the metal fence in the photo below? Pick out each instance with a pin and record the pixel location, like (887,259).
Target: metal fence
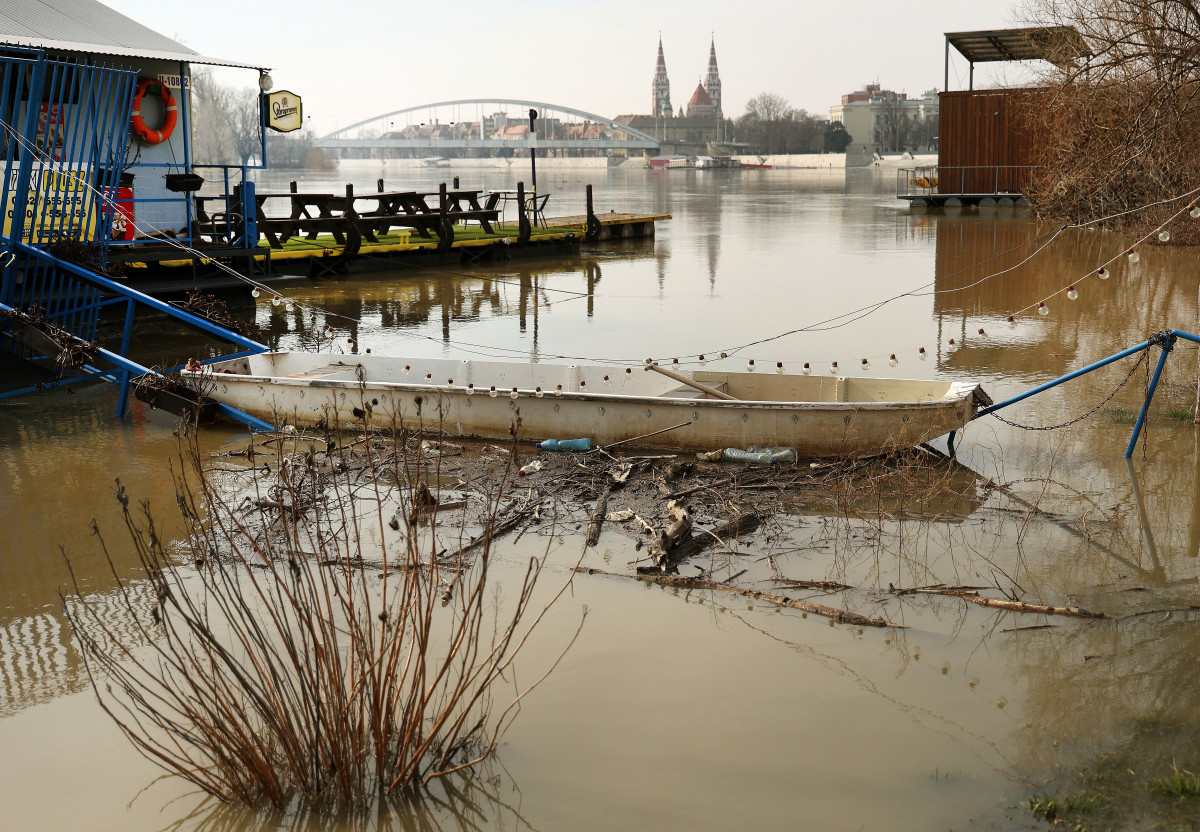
(994,181)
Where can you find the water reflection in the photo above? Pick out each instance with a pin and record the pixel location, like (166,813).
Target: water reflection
(486,798)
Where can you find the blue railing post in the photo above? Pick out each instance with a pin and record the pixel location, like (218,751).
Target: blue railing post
(1167,343)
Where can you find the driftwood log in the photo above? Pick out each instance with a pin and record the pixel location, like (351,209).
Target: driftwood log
(839,615)
(1011,606)
(597,521)
(680,528)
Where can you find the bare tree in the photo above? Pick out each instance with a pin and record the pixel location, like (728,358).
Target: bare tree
(1115,130)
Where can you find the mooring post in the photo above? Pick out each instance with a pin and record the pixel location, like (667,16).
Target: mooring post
(292,186)
(349,211)
(379,185)
(456,183)
(1166,344)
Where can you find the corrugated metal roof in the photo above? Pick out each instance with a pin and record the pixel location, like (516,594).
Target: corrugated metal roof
(90,26)
(1056,44)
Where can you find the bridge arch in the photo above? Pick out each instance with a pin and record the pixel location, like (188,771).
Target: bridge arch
(350,136)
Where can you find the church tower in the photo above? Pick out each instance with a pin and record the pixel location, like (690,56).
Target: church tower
(661,95)
(712,81)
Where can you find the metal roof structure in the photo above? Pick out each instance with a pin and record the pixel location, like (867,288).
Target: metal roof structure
(88,26)
(1056,44)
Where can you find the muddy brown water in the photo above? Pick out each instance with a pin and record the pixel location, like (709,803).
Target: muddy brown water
(682,709)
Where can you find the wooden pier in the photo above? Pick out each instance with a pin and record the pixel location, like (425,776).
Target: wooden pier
(325,234)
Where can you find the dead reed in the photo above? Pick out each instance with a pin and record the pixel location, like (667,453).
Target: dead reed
(272,668)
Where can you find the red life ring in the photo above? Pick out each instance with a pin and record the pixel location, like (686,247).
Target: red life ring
(146,134)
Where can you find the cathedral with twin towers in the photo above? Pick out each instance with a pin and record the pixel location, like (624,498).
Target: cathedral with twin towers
(705,101)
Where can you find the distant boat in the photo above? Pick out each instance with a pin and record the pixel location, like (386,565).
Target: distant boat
(717,162)
(819,416)
(671,162)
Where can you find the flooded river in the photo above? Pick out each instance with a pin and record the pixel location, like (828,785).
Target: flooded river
(682,710)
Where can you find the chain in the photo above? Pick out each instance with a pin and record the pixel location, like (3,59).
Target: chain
(1124,381)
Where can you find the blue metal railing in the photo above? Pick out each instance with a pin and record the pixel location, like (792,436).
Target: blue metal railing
(1164,340)
(63,136)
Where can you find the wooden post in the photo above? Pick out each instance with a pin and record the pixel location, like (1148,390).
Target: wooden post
(292,186)
(379,185)
(590,212)
(349,210)
(456,183)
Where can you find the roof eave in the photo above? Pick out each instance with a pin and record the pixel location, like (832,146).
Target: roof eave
(125,52)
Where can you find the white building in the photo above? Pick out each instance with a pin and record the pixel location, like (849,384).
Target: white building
(881,121)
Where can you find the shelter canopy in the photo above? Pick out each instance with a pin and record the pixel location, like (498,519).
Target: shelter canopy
(1056,44)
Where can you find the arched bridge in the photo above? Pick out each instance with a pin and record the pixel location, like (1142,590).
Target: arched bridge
(486,127)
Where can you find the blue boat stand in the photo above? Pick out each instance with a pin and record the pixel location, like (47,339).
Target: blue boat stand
(1164,340)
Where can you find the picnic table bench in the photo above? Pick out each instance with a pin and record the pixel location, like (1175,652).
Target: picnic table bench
(314,213)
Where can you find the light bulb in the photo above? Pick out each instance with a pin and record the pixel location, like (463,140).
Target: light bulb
(628,374)
(1133,256)
(1072,294)
(892,360)
(703,361)
(429,376)
(1102,273)
(779,367)
(538,392)
(750,366)
(1164,236)
(1195,212)
(265,82)
(1043,309)
(724,355)
(513,394)
(833,368)
(807,369)
(407,369)
(492,392)
(866,365)
(647,361)
(582,384)
(952,346)
(449,382)
(607,381)
(470,389)
(275,301)
(1012,322)
(922,354)
(558,390)
(289,306)
(254,293)
(982,334)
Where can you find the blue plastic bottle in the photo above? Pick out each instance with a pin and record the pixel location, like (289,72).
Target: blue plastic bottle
(566,445)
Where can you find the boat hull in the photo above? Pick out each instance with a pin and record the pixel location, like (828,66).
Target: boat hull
(345,395)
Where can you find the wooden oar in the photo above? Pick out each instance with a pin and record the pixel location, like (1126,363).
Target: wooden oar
(703,388)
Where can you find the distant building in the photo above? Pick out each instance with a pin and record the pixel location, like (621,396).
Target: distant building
(694,128)
(882,121)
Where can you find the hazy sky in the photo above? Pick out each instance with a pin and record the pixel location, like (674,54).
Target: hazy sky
(358,58)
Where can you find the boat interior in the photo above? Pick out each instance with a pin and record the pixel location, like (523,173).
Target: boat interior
(592,379)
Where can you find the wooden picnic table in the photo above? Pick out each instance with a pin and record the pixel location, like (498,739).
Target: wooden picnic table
(311,213)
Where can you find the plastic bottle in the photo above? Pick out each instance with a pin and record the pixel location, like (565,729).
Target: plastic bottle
(566,445)
(778,455)
(531,468)
(763,456)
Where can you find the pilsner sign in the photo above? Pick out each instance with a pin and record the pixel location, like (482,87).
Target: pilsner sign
(285,113)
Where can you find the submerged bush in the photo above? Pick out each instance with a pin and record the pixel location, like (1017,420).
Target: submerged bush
(300,648)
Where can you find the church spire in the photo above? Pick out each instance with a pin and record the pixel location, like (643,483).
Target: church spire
(661,90)
(712,81)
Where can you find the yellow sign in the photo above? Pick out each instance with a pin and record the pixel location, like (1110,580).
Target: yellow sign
(59,203)
(285,112)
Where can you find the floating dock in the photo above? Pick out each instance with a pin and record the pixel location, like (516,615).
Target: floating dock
(327,234)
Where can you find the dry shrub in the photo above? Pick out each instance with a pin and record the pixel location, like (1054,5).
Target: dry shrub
(1114,131)
(304,651)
